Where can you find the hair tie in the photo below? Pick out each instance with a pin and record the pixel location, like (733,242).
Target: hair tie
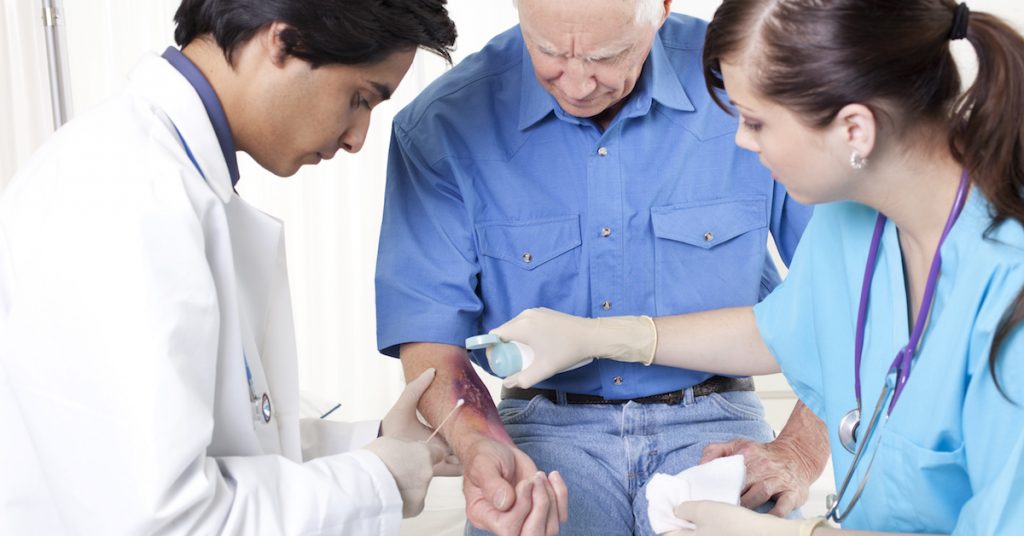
(961,18)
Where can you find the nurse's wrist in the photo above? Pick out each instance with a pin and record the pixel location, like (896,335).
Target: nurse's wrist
(630,339)
(809,526)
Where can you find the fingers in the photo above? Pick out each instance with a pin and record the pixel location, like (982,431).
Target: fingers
(756,494)
(561,495)
(551,506)
(449,466)
(687,511)
(720,450)
(513,329)
(537,522)
(514,381)
(511,523)
(437,453)
(528,377)
(486,474)
(784,504)
(522,509)
(437,440)
(414,390)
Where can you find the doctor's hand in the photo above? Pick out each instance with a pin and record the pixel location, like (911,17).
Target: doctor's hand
(402,422)
(560,341)
(411,464)
(507,495)
(722,519)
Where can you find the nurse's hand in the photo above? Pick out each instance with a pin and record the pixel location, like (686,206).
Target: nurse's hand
(722,519)
(402,422)
(561,341)
(410,463)
(507,495)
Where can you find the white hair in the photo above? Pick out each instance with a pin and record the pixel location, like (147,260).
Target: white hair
(647,11)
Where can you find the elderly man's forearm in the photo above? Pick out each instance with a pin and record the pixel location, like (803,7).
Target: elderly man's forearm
(806,435)
(455,379)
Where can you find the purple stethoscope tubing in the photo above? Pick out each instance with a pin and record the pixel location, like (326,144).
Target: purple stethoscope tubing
(904,358)
(900,367)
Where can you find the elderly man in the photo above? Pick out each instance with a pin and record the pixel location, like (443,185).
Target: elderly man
(577,163)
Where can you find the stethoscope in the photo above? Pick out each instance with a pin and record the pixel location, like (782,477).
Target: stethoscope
(899,371)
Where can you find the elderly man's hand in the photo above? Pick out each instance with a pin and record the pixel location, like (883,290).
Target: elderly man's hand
(775,471)
(536,506)
(783,469)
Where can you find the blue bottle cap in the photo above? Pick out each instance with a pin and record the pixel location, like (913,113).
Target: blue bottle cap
(480,342)
(505,359)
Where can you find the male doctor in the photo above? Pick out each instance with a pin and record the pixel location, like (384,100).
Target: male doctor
(148,380)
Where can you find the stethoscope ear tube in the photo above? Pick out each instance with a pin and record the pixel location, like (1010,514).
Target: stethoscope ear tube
(899,370)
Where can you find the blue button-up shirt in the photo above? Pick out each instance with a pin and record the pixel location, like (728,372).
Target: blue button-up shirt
(498,201)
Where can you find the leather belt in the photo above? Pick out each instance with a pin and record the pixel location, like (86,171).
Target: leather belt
(714,384)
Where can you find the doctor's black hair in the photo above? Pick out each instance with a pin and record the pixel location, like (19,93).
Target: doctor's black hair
(323,32)
(816,56)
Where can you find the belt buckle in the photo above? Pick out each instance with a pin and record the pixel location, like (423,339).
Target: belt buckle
(678,396)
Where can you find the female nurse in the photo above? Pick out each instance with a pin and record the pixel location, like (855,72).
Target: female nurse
(899,321)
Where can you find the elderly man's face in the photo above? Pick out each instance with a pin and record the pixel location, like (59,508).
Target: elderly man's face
(587,53)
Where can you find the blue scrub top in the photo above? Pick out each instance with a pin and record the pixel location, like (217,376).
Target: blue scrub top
(498,201)
(950,457)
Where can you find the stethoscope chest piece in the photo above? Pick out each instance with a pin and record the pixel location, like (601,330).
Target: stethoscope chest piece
(848,430)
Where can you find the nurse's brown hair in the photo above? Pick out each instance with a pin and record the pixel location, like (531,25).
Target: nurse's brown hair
(816,56)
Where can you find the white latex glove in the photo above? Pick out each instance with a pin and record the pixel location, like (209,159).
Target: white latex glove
(411,464)
(402,422)
(560,341)
(721,519)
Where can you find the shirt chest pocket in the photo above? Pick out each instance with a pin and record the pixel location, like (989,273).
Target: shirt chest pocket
(529,245)
(709,254)
(525,261)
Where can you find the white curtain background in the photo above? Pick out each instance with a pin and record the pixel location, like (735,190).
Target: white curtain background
(332,212)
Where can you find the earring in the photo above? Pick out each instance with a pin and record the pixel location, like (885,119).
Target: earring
(857,162)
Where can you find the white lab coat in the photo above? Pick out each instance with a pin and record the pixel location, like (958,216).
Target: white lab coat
(130,289)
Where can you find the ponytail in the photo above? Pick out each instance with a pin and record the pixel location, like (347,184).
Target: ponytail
(988,138)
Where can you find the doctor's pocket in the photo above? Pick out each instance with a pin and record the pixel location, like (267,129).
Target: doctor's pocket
(709,253)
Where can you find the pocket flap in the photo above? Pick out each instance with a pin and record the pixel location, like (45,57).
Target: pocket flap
(707,224)
(530,244)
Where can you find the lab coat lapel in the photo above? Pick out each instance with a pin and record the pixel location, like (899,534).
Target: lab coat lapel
(257,267)
(177,99)
(267,326)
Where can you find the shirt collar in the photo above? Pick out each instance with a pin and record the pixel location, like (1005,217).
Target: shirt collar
(212,105)
(658,82)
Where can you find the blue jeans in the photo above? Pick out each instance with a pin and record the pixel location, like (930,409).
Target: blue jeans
(608,453)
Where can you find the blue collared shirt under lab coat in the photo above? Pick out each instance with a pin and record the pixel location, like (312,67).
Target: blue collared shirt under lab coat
(498,201)
(952,454)
(213,109)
